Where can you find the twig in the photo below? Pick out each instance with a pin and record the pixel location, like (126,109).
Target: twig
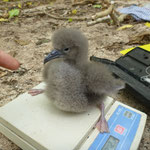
(114,18)
(103,13)
(66,18)
(84,2)
(42,11)
(110,11)
(99,20)
(37,9)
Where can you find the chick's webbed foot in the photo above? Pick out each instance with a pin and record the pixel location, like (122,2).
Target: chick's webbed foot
(102,124)
(35,92)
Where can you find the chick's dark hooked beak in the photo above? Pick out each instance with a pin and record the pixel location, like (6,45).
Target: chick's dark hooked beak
(53,54)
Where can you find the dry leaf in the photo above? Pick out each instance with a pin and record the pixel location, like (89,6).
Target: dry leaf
(29,3)
(19,5)
(125,27)
(74,12)
(22,42)
(43,40)
(140,38)
(2,19)
(3,73)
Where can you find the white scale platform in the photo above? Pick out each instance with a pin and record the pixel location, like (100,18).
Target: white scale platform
(33,123)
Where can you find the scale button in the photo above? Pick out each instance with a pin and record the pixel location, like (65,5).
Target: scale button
(119,129)
(128,114)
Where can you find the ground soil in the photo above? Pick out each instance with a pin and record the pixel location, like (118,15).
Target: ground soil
(28,39)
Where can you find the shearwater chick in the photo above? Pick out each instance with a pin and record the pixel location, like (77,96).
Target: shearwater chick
(72,82)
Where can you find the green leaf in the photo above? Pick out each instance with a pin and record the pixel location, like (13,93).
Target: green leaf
(97,6)
(70,20)
(14,12)
(111,21)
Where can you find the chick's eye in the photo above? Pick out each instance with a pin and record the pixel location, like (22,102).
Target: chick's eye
(66,49)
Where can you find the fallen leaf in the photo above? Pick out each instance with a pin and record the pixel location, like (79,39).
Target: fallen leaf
(3,73)
(19,5)
(97,6)
(74,12)
(2,19)
(29,3)
(125,27)
(140,38)
(147,24)
(51,3)
(70,20)
(14,12)
(43,40)
(22,42)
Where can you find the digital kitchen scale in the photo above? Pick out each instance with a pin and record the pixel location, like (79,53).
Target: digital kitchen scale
(33,123)
(126,126)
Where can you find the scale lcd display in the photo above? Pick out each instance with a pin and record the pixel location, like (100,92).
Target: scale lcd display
(111,143)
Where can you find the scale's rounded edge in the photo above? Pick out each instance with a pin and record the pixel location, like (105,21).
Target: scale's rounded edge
(15,138)
(139,130)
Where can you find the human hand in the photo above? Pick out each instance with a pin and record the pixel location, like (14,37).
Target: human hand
(8,61)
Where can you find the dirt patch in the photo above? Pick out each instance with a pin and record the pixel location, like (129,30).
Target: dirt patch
(28,39)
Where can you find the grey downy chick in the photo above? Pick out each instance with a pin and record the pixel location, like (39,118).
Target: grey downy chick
(72,82)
